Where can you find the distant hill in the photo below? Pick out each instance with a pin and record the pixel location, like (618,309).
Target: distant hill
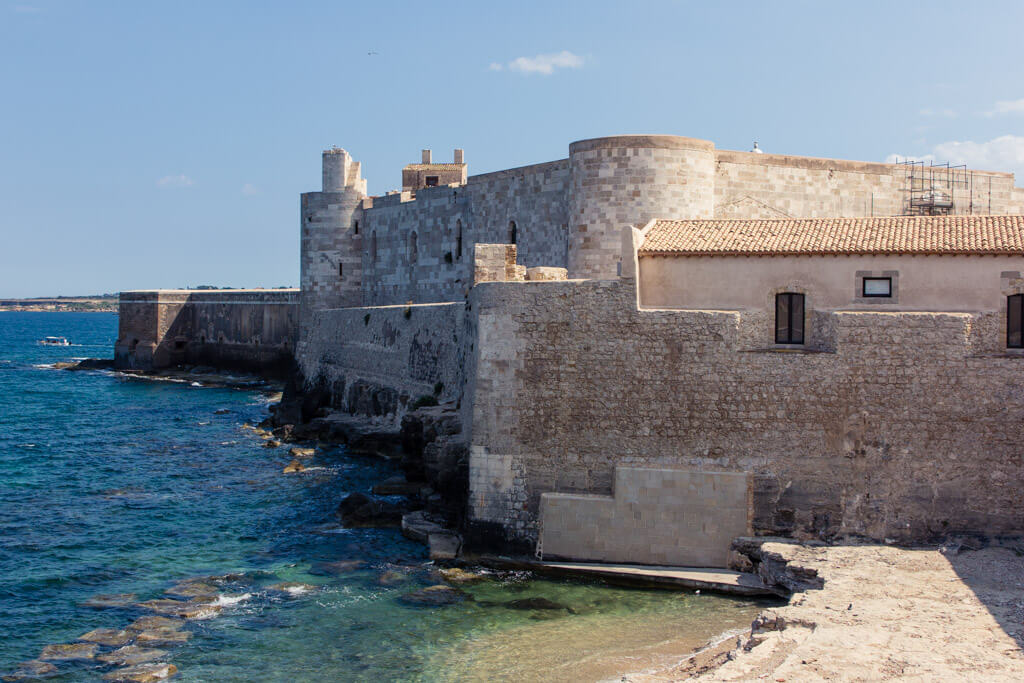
(63,304)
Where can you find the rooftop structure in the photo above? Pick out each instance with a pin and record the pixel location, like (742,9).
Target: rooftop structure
(428,174)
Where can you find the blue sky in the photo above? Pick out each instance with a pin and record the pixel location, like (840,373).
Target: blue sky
(165,144)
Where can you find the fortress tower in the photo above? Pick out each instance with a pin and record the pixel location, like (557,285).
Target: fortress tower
(631,179)
(331,243)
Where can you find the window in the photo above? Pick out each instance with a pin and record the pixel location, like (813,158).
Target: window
(458,239)
(355,227)
(431,181)
(373,247)
(413,256)
(341,272)
(512,232)
(789,318)
(1015,321)
(878,287)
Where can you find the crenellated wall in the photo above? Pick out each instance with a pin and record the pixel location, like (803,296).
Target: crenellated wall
(253,330)
(889,425)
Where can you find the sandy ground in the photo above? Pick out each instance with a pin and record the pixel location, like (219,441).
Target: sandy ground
(883,614)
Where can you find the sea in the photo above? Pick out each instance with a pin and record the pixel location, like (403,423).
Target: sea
(118,485)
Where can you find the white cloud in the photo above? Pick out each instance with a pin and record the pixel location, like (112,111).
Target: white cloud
(249,189)
(180,180)
(1005,153)
(1007,107)
(542,64)
(26,9)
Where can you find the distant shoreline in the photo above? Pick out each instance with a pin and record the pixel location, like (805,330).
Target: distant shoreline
(61,305)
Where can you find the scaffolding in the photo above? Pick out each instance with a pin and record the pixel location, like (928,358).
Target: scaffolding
(937,189)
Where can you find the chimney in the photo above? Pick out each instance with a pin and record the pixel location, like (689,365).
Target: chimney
(426,156)
(459,156)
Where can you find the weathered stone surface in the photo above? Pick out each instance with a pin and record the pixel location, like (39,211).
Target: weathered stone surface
(142,673)
(130,655)
(297,452)
(397,486)
(420,524)
(444,546)
(434,596)
(337,567)
(33,668)
(151,622)
(111,637)
(293,467)
(546,274)
(457,576)
(192,588)
(162,636)
(69,651)
(198,608)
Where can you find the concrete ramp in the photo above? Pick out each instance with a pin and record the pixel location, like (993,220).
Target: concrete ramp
(657,516)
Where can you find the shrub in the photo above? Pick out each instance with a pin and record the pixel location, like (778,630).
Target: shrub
(438,388)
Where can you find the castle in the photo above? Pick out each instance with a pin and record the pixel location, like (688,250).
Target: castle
(656,346)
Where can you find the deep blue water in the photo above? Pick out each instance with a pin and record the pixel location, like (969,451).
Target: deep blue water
(110,485)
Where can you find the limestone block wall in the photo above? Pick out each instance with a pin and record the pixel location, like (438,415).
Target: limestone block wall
(897,427)
(657,515)
(419,247)
(378,359)
(631,179)
(251,330)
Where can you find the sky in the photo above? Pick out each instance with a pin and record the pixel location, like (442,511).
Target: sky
(147,144)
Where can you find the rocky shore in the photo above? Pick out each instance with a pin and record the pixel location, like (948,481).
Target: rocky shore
(870,613)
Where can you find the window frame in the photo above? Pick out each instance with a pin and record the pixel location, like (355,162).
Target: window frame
(1018,300)
(864,286)
(791,338)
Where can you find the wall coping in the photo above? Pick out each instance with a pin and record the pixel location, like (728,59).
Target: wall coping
(641,141)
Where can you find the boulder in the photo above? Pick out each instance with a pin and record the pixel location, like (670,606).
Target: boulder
(297,452)
(69,651)
(434,596)
(272,443)
(418,526)
(360,510)
(293,467)
(198,608)
(142,673)
(337,567)
(111,637)
(397,486)
(444,546)
(130,655)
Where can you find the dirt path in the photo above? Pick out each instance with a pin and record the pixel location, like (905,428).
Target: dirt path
(883,614)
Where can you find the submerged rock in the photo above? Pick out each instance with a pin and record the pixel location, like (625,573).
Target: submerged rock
(69,651)
(461,576)
(392,578)
(293,467)
(192,588)
(154,622)
(111,637)
(142,673)
(162,636)
(397,486)
(271,443)
(30,669)
(197,608)
(535,603)
(435,596)
(360,510)
(130,655)
(338,567)
(108,601)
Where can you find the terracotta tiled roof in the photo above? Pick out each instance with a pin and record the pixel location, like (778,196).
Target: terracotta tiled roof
(433,167)
(890,235)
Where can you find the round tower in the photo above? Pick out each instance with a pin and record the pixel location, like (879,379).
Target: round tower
(331,243)
(629,180)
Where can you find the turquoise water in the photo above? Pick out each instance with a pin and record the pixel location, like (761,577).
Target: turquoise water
(113,485)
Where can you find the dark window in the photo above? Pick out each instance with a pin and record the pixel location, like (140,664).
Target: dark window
(789,318)
(373,247)
(413,255)
(431,181)
(341,273)
(1015,321)
(512,232)
(355,227)
(879,287)
(458,239)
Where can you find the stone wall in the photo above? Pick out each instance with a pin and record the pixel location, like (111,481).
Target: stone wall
(891,425)
(378,360)
(419,247)
(252,330)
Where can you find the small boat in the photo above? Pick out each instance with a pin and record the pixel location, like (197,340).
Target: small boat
(55,341)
